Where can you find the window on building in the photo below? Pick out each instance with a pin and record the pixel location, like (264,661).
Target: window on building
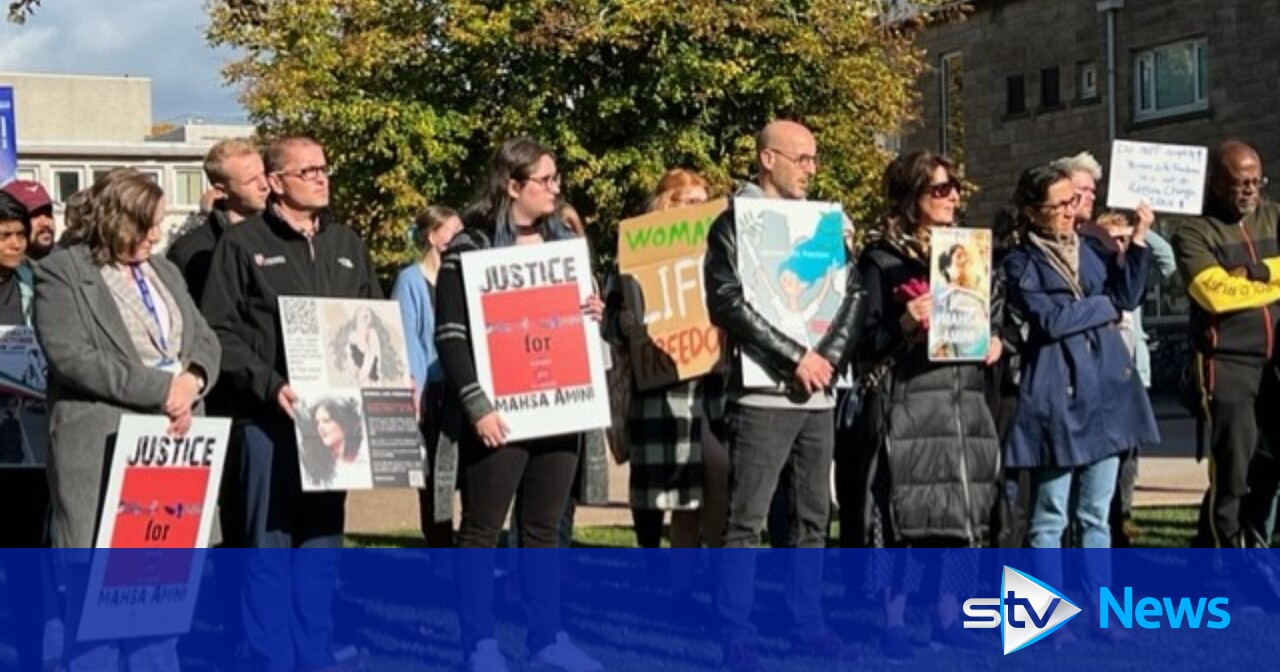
(66,182)
(187,185)
(1086,80)
(29,174)
(953,106)
(1171,79)
(100,172)
(1050,87)
(1015,95)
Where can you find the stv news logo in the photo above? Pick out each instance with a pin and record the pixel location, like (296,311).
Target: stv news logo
(1027,610)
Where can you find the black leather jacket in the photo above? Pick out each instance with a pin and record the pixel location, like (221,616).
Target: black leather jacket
(747,331)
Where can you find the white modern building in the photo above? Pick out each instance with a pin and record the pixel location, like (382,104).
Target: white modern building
(72,129)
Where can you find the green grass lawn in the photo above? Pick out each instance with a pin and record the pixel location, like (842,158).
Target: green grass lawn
(1152,527)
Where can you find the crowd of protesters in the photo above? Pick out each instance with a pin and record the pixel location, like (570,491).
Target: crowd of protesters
(1035,443)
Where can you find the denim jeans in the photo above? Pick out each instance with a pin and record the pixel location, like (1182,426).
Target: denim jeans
(1051,493)
(1050,496)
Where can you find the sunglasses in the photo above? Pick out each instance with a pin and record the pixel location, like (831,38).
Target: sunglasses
(944,189)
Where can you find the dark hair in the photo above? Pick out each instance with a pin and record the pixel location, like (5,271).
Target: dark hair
(515,160)
(1033,189)
(945,260)
(345,414)
(428,222)
(906,178)
(123,210)
(1004,228)
(11,210)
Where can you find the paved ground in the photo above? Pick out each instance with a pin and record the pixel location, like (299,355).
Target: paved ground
(1167,474)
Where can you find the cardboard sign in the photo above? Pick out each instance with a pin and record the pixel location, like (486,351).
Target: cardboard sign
(349,364)
(1169,178)
(660,258)
(960,281)
(158,511)
(537,356)
(793,264)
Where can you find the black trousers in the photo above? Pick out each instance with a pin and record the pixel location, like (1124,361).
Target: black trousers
(542,471)
(1242,405)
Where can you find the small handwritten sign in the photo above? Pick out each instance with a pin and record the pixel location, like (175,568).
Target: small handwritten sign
(1169,178)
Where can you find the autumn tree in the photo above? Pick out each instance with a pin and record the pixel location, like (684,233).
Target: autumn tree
(410,97)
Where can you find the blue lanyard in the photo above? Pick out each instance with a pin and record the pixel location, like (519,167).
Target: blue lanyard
(149,303)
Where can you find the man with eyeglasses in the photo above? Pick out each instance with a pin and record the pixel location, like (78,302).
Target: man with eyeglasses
(1230,261)
(791,426)
(292,248)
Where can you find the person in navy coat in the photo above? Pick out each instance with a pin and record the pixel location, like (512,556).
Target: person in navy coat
(1081,402)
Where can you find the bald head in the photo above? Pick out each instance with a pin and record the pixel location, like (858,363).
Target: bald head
(1235,177)
(788,156)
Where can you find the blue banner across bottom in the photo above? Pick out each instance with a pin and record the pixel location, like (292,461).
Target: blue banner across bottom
(413,609)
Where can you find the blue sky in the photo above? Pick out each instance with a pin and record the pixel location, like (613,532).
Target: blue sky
(160,39)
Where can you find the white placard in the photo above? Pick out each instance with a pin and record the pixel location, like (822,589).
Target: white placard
(793,264)
(156,520)
(1169,178)
(537,355)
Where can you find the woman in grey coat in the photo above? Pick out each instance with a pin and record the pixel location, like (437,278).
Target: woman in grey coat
(121,335)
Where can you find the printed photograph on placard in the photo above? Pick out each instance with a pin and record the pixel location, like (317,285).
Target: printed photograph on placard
(960,281)
(331,446)
(538,356)
(793,265)
(355,418)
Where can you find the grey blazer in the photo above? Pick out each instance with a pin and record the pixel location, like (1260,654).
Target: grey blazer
(96,375)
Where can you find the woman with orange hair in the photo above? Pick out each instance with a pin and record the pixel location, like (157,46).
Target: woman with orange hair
(677,464)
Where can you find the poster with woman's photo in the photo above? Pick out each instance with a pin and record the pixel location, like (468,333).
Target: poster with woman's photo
(793,264)
(960,281)
(355,419)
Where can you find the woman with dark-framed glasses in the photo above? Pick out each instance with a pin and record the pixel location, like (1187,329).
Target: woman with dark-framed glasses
(1081,402)
(517,206)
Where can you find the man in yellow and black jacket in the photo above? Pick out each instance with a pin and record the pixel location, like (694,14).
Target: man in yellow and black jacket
(1230,261)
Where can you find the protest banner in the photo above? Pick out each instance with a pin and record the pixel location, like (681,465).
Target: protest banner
(960,281)
(23,370)
(8,136)
(793,265)
(1169,178)
(349,365)
(24,415)
(156,517)
(537,356)
(660,260)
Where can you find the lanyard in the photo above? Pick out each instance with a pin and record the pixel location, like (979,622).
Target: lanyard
(149,303)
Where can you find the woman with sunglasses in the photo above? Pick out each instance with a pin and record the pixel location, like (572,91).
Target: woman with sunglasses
(516,207)
(1081,402)
(934,472)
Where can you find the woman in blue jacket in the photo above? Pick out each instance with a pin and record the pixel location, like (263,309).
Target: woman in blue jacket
(415,291)
(1081,401)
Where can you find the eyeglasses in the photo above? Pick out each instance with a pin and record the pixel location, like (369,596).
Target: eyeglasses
(944,189)
(310,173)
(1056,207)
(552,180)
(1255,183)
(807,160)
